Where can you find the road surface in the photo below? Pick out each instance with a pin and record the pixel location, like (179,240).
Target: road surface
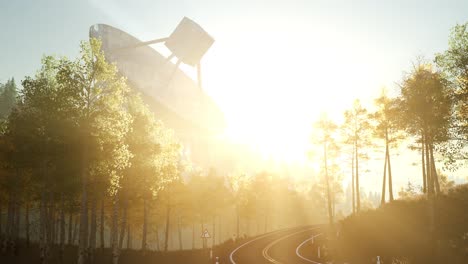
(290,246)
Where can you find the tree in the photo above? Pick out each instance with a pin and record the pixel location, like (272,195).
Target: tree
(98,95)
(238,184)
(8,94)
(356,130)
(327,130)
(42,136)
(207,193)
(77,133)
(149,143)
(453,63)
(259,199)
(427,105)
(386,128)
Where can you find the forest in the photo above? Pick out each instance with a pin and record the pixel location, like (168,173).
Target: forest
(86,167)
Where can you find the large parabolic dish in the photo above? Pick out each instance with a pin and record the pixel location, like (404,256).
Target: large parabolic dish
(158,79)
(172,95)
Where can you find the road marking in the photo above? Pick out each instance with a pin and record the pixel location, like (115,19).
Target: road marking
(302,244)
(250,241)
(265,250)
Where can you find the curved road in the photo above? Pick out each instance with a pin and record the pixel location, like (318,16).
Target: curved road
(289,246)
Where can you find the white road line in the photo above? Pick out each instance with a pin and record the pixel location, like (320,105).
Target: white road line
(265,250)
(302,244)
(248,242)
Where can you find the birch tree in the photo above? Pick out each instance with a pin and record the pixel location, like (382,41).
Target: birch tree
(98,94)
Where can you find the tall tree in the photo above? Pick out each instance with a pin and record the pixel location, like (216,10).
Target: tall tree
(238,185)
(453,63)
(326,138)
(99,96)
(387,129)
(40,130)
(427,104)
(356,130)
(8,97)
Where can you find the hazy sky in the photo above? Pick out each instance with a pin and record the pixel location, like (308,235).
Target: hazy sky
(275,65)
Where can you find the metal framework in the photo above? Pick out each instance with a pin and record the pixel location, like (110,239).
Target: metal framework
(186,33)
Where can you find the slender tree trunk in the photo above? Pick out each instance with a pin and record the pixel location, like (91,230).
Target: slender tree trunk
(193,236)
(157,239)
(54,222)
(70,227)
(333,205)
(101,226)
(203,239)
(9,224)
(83,235)
(382,201)
(390,182)
(129,238)
(16,227)
(220,229)
(93,229)
(62,227)
(238,222)
(124,223)
(114,231)
(358,196)
(434,202)
(430,180)
(179,229)
(431,196)
(1,219)
(42,229)
(214,231)
(49,220)
(423,165)
(145,226)
(75,229)
(26,224)
(168,218)
(434,170)
(353,180)
(329,202)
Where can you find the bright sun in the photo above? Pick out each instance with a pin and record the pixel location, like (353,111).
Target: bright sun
(272,89)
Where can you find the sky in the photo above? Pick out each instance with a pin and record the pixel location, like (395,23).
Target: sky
(274,66)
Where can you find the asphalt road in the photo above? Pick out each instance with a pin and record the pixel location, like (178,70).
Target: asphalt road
(290,246)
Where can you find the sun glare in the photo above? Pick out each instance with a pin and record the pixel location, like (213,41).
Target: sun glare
(272,96)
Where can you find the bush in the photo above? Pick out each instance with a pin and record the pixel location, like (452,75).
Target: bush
(401,230)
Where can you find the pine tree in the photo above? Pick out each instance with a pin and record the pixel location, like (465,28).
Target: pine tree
(8,98)
(326,138)
(386,128)
(356,130)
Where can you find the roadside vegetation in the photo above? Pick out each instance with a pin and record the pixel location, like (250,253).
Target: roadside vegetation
(402,231)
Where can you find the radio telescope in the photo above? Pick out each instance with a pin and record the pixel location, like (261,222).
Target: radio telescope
(174,97)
